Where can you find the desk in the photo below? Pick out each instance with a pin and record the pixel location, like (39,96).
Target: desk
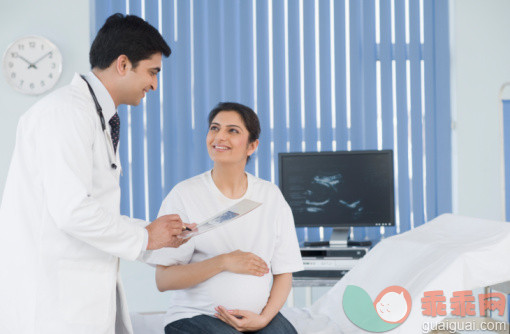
(304,289)
(300,282)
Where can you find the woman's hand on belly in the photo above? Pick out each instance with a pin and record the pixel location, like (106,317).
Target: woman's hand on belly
(244,263)
(241,320)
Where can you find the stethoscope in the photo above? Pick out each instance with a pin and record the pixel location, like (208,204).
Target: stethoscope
(111,155)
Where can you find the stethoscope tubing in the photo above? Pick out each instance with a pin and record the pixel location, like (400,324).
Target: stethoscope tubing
(99,110)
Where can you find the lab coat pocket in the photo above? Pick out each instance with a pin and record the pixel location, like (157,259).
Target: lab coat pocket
(86,291)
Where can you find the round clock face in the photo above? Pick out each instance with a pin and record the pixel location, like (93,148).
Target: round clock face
(32,65)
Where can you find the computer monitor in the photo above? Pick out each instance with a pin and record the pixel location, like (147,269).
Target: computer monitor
(339,189)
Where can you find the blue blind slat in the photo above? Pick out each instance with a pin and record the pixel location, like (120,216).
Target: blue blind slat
(177,82)
(296,135)
(239,16)
(416,112)
(325,52)
(213,60)
(245,49)
(309,75)
(385,56)
(356,38)
(402,125)
(137,164)
(311,131)
(506,148)
(246,64)
(102,9)
(326,133)
(201,98)
(369,94)
(154,154)
(295,132)
(356,132)
(137,144)
(125,203)
(264,152)
(369,91)
(442,105)
(341,133)
(185,132)
(386,75)
(169,134)
(153,115)
(430,119)
(279,82)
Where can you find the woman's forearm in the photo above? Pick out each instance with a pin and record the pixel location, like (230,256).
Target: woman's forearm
(187,275)
(282,284)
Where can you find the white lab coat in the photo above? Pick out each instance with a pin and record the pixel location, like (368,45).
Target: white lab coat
(61,232)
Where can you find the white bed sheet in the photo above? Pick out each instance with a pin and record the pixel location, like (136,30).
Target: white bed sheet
(450,253)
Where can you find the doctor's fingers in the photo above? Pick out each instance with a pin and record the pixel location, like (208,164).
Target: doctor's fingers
(175,227)
(176,242)
(174,230)
(190,226)
(171,219)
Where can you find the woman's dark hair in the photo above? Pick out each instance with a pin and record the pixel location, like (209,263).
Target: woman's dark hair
(126,35)
(249,117)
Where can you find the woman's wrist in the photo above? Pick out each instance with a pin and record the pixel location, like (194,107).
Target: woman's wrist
(266,317)
(221,262)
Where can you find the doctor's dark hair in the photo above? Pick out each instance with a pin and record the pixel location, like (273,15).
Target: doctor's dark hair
(126,35)
(249,117)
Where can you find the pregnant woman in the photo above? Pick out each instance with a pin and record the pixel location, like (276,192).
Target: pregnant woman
(237,277)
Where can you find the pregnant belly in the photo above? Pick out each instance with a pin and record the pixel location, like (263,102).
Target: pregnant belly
(236,291)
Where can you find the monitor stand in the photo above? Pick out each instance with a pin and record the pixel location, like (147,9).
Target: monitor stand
(339,237)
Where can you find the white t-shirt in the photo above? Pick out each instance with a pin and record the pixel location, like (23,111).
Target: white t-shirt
(268,231)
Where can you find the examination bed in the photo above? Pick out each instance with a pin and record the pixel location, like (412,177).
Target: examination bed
(450,253)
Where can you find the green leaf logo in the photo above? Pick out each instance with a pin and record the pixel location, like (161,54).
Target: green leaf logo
(389,310)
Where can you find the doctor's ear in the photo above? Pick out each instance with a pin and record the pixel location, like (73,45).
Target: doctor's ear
(122,65)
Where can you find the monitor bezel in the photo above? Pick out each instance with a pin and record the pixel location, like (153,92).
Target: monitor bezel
(283,155)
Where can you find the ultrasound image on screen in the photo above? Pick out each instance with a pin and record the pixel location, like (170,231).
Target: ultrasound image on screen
(339,189)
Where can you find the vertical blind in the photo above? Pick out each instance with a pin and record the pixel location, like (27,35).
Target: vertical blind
(506,152)
(322,75)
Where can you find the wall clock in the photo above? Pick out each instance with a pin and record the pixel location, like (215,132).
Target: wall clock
(32,65)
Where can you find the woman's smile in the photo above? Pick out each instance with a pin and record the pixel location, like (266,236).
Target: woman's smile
(221,148)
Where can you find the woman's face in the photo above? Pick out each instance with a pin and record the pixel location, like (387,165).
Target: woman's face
(227,139)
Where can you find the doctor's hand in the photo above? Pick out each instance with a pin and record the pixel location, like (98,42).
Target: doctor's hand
(243,321)
(163,232)
(244,263)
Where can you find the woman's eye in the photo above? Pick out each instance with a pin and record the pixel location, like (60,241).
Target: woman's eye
(234,131)
(213,128)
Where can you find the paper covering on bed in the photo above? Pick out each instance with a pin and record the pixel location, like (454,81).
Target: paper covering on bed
(450,253)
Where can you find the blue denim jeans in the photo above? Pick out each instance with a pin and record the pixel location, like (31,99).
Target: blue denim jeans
(204,324)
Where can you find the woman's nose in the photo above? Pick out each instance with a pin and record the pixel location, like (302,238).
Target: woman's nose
(222,134)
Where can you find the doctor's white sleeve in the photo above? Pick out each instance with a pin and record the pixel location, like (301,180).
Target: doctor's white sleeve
(65,147)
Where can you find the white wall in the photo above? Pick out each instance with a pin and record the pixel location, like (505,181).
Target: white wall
(66,24)
(480,65)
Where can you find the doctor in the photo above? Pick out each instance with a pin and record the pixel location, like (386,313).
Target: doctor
(61,233)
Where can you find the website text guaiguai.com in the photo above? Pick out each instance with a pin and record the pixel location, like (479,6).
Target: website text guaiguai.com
(453,327)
